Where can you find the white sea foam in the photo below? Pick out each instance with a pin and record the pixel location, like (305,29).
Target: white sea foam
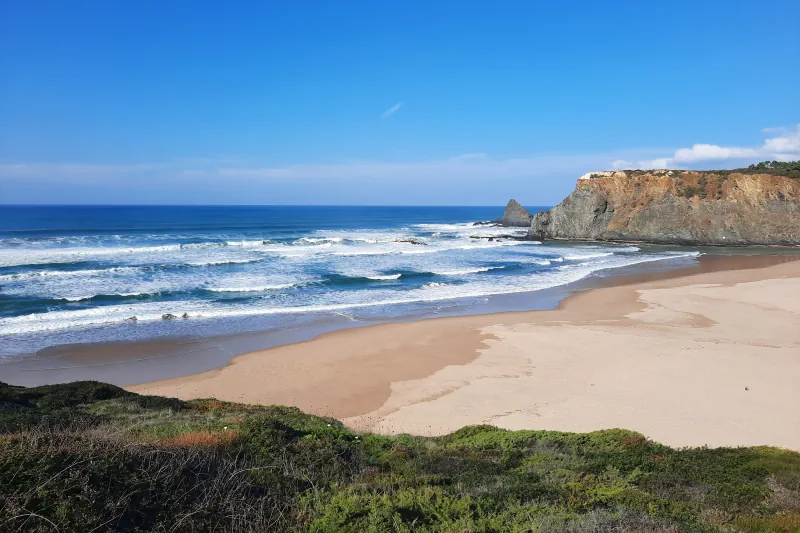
(590,255)
(24,276)
(38,256)
(319,240)
(448,250)
(110,295)
(57,320)
(467,271)
(201,245)
(259,288)
(385,277)
(468,230)
(249,244)
(356,253)
(425,250)
(222,262)
(543,262)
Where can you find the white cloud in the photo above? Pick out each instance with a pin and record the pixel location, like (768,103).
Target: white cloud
(785,146)
(711,152)
(389,112)
(663,162)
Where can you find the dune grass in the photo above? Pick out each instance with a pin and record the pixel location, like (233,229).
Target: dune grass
(92,457)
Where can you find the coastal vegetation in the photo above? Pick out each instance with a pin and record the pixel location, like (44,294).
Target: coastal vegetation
(778,168)
(789,169)
(88,456)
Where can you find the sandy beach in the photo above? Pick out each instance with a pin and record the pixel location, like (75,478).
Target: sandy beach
(706,359)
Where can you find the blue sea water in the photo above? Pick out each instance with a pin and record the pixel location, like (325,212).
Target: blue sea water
(82,274)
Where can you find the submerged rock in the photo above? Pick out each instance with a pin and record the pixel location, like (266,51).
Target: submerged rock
(487,223)
(499,238)
(410,240)
(515,215)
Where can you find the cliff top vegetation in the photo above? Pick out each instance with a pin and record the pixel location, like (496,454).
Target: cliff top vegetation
(790,169)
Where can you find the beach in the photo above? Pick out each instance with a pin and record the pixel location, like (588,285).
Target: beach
(710,358)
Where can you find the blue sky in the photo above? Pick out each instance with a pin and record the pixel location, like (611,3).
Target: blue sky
(383,102)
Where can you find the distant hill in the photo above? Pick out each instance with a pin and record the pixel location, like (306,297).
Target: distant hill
(757,205)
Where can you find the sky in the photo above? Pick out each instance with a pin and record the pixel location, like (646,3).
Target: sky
(383,103)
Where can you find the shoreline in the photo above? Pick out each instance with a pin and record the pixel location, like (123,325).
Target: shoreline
(433,376)
(128,363)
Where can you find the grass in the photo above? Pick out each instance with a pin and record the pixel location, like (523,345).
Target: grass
(92,457)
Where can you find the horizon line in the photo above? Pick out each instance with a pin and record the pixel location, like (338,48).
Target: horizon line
(255,205)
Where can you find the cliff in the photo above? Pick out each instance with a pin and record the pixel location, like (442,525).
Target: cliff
(515,215)
(678,207)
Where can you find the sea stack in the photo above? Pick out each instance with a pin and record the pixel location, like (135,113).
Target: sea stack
(515,215)
(752,206)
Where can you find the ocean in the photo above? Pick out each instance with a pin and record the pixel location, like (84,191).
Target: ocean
(76,274)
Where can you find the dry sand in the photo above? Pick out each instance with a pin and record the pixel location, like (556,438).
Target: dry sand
(709,359)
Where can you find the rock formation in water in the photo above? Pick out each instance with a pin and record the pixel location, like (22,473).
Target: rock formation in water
(515,215)
(746,206)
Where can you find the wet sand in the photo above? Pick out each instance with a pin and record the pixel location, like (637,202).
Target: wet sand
(709,358)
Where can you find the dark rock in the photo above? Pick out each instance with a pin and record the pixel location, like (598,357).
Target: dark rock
(131,319)
(185,315)
(487,223)
(515,215)
(412,241)
(520,237)
(168,316)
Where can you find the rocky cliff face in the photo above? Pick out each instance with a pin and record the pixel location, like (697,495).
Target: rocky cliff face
(677,207)
(515,215)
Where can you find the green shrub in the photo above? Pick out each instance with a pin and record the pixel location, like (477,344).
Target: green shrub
(156,402)
(51,397)
(91,457)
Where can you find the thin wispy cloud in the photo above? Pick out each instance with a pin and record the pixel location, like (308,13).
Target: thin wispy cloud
(392,110)
(487,177)
(79,172)
(476,166)
(554,172)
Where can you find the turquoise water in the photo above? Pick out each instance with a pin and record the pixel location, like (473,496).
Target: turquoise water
(82,274)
